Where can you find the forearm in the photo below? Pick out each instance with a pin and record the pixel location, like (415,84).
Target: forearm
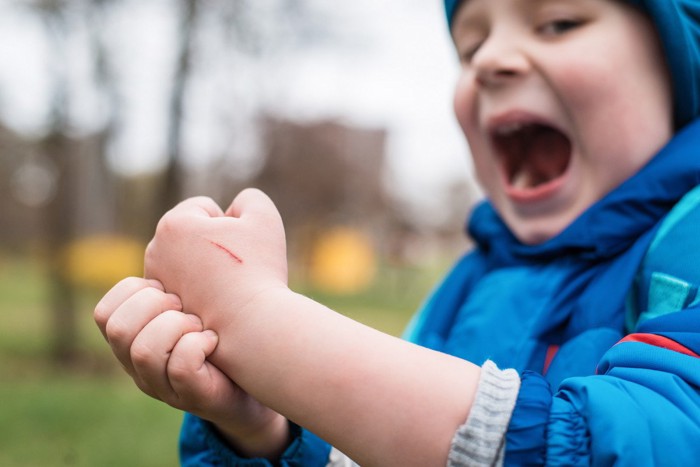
(377,398)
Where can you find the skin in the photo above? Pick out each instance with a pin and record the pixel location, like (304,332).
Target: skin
(277,344)
(379,399)
(593,68)
(165,352)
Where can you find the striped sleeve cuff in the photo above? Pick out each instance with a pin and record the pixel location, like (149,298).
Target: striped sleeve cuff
(481,440)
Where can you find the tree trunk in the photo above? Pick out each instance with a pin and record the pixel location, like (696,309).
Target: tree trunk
(59,216)
(59,219)
(173,181)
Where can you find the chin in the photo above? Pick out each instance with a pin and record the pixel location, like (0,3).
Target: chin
(533,238)
(536,232)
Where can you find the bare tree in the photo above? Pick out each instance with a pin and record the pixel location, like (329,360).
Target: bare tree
(247,31)
(59,213)
(172,182)
(96,16)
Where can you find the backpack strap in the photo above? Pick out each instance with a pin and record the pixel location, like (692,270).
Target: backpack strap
(668,276)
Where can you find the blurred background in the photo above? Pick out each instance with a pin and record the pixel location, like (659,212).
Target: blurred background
(111,111)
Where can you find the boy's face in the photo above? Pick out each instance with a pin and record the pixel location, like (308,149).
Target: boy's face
(561,101)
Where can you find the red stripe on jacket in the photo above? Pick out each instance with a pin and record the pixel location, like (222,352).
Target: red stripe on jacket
(659,341)
(551,353)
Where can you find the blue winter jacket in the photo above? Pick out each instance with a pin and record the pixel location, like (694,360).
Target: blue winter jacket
(602,322)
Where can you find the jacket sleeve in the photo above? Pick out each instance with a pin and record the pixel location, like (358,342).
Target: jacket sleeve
(641,408)
(201,446)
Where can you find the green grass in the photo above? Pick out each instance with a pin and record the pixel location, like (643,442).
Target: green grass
(59,420)
(93,415)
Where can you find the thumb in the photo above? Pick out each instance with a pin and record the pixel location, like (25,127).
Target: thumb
(189,372)
(253,203)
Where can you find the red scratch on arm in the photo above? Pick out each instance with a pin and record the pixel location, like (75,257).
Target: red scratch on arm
(228,252)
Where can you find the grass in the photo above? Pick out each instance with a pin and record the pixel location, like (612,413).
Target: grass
(93,415)
(59,420)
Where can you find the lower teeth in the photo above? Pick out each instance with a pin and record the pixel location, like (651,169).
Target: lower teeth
(521,181)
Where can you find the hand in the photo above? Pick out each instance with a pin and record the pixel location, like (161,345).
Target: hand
(219,262)
(165,352)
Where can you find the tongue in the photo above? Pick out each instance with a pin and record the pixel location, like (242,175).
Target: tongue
(545,156)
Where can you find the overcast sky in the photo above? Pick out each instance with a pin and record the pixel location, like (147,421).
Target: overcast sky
(393,68)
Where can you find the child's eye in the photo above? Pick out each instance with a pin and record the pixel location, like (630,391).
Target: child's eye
(558,26)
(466,55)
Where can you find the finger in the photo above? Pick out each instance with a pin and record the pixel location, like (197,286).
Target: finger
(113,299)
(152,348)
(201,206)
(252,202)
(193,378)
(132,316)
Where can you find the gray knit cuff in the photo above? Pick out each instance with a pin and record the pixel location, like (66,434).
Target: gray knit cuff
(338,459)
(481,440)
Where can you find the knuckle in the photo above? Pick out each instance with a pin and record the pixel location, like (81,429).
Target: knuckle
(168,224)
(175,320)
(149,253)
(101,314)
(117,331)
(105,307)
(142,355)
(179,372)
(151,295)
(157,299)
(185,359)
(133,282)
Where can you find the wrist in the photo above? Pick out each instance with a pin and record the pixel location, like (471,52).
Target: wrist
(268,441)
(229,308)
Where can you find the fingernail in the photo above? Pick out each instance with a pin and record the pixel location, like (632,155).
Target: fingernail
(177,303)
(195,319)
(155,284)
(212,335)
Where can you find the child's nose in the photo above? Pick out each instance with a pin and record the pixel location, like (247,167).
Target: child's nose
(499,60)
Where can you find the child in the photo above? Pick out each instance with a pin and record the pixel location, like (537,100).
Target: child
(580,117)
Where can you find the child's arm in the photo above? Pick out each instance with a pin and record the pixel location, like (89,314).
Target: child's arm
(379,399)
(164,350)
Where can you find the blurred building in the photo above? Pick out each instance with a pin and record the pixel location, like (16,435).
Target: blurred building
(35,174)
(322,175)
(18,189)
(324,172)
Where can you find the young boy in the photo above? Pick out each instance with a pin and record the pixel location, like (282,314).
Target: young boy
(580,117)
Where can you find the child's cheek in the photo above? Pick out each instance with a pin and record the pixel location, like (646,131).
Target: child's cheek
(590,98)
(576,82)
(467,108)
(464,102)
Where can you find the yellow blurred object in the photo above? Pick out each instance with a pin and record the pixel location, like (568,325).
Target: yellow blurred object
(343,261)
(100,261)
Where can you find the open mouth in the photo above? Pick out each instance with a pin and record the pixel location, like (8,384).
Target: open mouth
(532,154)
